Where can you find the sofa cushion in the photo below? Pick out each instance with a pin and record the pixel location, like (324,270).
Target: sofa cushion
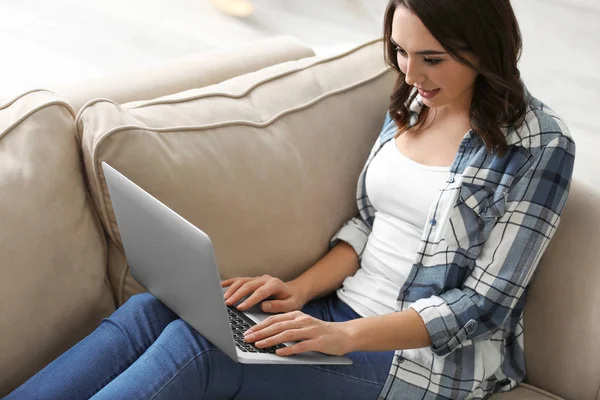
(562,312)
(265,163)
(525,392)
(196,70)
(53,289)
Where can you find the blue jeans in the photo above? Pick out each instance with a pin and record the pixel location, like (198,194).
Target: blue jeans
(144,351)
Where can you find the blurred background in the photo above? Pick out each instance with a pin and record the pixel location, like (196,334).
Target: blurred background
(49,43)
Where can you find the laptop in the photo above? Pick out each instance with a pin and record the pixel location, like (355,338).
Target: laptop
(175,261)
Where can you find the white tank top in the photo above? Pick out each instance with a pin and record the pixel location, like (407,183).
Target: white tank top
(401,191)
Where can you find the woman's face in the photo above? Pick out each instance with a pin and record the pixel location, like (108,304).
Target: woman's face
(441,80)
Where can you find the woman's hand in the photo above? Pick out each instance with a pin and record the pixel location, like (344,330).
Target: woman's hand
(286,296)
(312,334)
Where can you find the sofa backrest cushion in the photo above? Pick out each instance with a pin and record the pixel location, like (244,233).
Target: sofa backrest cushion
(192,71)
(562,311)
(266,163)
(53,286)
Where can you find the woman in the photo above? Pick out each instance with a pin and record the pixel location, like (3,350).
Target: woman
(424,291)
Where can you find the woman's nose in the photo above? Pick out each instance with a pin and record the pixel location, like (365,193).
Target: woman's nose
(413,74)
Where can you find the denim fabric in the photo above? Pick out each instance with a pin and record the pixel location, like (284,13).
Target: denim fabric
(143,351)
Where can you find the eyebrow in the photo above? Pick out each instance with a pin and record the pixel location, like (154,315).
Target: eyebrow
(423,52)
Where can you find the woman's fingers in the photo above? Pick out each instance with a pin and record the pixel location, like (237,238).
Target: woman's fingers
(280,306)
(243,290)
(300,347)
(277,324)
(269,288)
(272,320)
(311,334)
(288,335)
(228,282)
(233,285)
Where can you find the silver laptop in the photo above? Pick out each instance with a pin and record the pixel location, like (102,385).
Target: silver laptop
(175,261)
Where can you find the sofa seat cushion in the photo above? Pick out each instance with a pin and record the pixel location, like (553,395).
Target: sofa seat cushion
(53,287)
(265,163)
(525,392)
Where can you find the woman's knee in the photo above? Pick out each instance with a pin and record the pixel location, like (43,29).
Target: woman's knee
(142,300)
(197,362)
(144,309)
(181,331)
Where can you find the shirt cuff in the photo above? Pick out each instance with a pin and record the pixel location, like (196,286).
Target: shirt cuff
(445,331)
(354,232)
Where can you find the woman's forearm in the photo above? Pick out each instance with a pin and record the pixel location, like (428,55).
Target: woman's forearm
(328,273)
(397,331)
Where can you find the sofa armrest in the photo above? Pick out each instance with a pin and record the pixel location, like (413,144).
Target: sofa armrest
(194,71)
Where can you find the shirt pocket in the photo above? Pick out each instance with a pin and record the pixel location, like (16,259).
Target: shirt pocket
(472,218)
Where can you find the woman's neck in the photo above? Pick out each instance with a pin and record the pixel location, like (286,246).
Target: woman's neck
(459,108)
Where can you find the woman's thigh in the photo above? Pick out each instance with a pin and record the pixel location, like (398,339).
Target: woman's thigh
(364,379)
(180,364)
(101,356)
(183,364)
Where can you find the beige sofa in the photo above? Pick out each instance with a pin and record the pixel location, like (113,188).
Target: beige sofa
(265,162)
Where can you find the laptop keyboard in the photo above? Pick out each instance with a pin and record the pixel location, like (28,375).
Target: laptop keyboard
(240,324)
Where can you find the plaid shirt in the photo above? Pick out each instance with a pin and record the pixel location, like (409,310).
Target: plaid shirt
(486,232)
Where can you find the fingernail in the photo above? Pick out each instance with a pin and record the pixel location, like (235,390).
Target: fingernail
(259,344)
(242,305)
(267,306)
(227,295)
(248,338)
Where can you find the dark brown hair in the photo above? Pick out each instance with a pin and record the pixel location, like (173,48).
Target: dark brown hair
(489,30)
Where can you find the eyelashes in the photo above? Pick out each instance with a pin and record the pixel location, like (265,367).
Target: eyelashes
(430,61)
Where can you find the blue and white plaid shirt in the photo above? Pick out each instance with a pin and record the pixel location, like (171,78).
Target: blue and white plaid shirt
(485,234)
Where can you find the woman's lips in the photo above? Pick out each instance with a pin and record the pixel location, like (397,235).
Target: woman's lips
(428,94)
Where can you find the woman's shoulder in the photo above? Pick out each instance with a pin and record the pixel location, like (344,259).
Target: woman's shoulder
(388,130)
(541,127)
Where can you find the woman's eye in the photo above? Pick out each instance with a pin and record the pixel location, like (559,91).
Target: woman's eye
(432,61)
(400,50)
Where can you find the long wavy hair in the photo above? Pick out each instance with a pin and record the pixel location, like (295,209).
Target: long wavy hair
(488,29)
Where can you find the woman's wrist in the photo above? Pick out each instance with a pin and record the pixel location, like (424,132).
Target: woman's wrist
(350,335)
(299,291)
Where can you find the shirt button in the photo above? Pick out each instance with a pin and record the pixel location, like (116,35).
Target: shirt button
(451,180)
(406,292)
(433,222)
(400,359)
(471,326)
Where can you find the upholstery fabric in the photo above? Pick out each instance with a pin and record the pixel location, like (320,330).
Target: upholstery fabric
(193,71)
(53,289)
(525,392)
(562,312)
(265,163)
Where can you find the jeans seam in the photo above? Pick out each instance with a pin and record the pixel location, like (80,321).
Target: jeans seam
(179,371)
(345,375)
